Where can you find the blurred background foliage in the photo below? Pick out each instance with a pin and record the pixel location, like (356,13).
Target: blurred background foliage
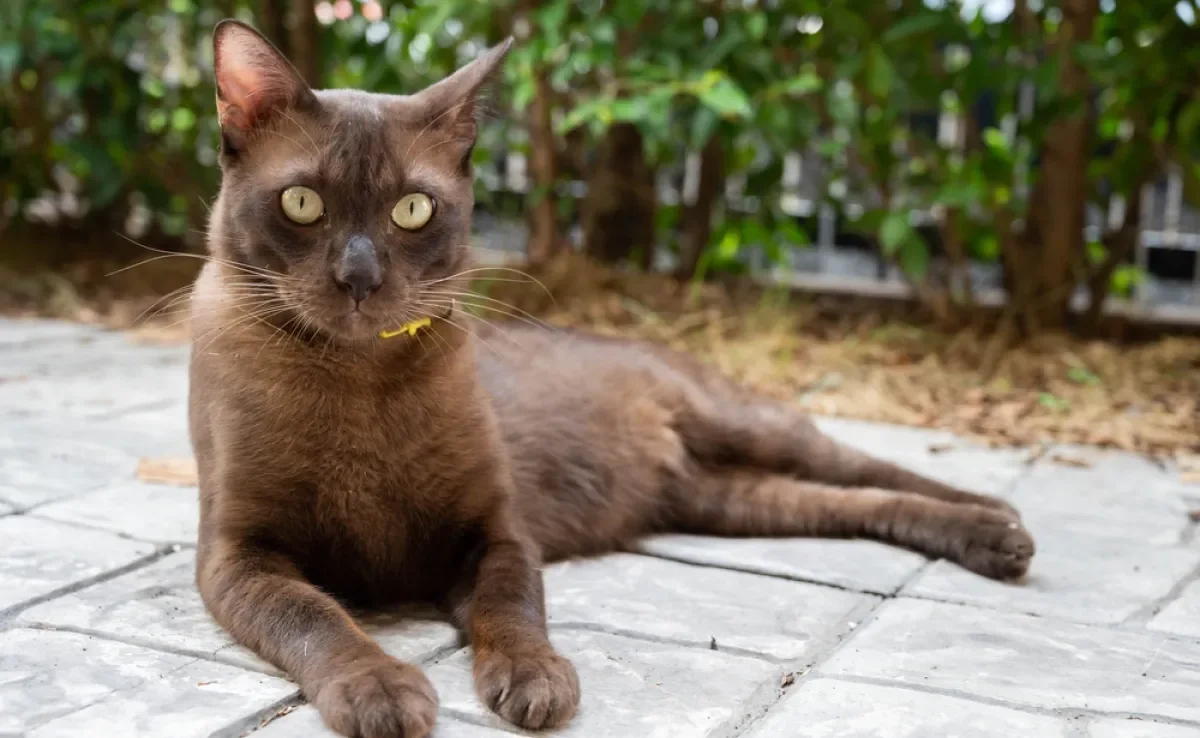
(107,126)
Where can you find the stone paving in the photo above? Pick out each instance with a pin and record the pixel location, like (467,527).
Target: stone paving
(103,634)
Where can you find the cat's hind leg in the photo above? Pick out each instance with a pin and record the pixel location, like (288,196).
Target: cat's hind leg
(774,438)
(735,502)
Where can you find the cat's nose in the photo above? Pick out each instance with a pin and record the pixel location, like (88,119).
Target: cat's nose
(358,273)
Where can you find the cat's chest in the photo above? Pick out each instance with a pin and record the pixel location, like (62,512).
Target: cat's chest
(382,500)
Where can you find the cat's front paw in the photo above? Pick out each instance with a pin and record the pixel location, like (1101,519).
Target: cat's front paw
(992,543)
(535,689)
(379,698)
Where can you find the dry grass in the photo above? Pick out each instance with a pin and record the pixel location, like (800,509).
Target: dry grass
(858,364)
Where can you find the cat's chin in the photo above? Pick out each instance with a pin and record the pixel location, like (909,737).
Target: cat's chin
(350,329)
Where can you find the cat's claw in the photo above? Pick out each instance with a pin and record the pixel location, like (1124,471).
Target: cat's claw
(532,690)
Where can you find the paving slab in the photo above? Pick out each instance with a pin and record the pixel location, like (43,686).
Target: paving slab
(828,708)
(305,722)
(710,608)
(41,465)
(159,606)
(1074,577)
(149,512)
(1116,728)
(63,685)
(81,355)
(1024,660)
(937,454)
(1117,495)
(864,566)
(105,392)
(23,333)
(1182,615)
(635,688)
(38,557)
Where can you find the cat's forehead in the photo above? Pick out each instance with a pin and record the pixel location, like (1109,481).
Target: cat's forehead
(359,138)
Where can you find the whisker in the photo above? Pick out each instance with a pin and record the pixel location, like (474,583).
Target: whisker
(517,313)
(510,270)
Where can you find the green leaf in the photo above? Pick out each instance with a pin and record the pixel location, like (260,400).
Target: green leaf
(552,15)
(804,83)
(987,247)
(726,99)
(1053,402)
(727,249)
(912,26)
(894,231)
(1081,375)
(914,257)
(880,72)
(756,25)
(790,233)
(1125,278)
(183,119)
(724,46)
(995,140)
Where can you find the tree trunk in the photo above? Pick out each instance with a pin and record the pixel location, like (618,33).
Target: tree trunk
(618,215)
(1052,245)
(304,41)
(272,17)
(1120,245)
(544,242)
(697,216)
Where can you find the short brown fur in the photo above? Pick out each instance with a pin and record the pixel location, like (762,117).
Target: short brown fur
(337,467)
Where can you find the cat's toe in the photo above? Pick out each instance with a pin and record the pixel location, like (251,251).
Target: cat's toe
(534,690)
(996,546)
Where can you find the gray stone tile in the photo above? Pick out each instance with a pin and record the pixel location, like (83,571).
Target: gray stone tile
(828,708)
(25,332)
(41,556)
(635,688)
(90,351)
(38,465)
(1117,728)
(1118,496)
(150,512)
(305,722)
(1085,579)
(1025,660)
(624,593)
(60,685)
(1182,615)
(105,392)
(158,431)
(860,565)
(953,460)
(159,606)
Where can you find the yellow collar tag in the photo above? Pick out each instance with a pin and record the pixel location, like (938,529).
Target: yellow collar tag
(409,328)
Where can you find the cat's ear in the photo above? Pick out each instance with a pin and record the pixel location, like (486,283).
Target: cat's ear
(254,80)
(452,103)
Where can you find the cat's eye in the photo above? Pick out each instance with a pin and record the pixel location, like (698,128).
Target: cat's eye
(413,211)
(302,205)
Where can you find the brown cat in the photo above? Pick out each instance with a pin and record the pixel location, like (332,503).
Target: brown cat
(338,465)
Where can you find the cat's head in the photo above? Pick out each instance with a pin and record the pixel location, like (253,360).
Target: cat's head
(360,201)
